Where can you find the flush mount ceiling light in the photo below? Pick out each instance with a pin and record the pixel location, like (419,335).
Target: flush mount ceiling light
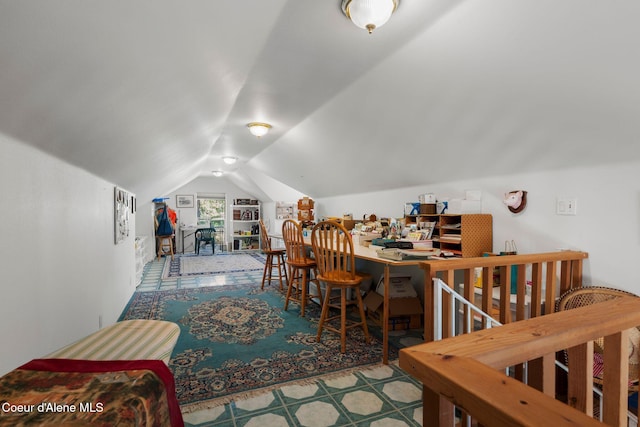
(258,128)
(229,159)
(217,173)
(369,14)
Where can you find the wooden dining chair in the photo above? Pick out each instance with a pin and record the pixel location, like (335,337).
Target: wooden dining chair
(300,267)
(333,249)
(278,254)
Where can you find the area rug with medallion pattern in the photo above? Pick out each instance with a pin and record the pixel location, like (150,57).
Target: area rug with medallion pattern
(236,340)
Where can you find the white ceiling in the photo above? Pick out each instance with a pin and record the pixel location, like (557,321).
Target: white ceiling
(150,94)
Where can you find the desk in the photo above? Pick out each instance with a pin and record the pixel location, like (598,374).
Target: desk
(369,253)
(187,231)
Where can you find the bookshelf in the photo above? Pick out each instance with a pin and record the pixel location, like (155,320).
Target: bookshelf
(246,228)
(465,235)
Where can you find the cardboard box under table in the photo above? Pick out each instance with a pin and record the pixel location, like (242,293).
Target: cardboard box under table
(405,309)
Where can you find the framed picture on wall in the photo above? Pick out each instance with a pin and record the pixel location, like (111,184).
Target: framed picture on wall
(184,201)
(121,208)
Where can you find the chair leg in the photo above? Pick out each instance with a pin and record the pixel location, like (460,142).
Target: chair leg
(162,244)
(267,266)
(304,284)
(292,272)
(363,317)
(318,288)
(281,270)
(343,320)
(270,272)
(325,311)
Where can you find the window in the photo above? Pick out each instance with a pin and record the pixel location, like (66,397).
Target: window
(211,211)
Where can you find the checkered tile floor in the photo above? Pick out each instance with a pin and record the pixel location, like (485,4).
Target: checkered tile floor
(383,396)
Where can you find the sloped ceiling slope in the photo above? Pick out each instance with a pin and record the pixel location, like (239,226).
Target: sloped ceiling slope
(492,88)
(151,94)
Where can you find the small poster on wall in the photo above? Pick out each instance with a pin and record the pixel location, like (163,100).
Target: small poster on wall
(121,201)
(184,201)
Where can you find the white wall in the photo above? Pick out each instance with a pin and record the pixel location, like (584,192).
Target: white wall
(607,224)
(61,271)
(188,216)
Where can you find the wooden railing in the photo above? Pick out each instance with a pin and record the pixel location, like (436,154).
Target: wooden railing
(465,370)
(546,274)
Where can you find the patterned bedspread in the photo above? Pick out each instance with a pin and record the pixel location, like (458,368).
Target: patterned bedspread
(64,392)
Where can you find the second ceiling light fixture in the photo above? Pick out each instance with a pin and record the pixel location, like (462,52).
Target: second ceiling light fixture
(369,14)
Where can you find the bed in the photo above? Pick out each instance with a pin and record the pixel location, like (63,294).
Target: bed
(115,376)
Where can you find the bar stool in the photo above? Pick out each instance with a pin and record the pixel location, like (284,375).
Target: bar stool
(333,248)
(278,254)
(165,246)
(300,267)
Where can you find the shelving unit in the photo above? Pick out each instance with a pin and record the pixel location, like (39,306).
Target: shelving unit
(465,235)
(306,211)
(246,228)
(285,210)
(144,254)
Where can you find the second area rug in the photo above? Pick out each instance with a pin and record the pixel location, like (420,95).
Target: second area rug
(200,265)
(237,340)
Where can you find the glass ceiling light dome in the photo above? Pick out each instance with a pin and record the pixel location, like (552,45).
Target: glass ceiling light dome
(229,159)
(258,128)
(369,14)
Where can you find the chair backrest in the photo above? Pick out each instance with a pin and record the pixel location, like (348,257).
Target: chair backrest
(294,241)
(588,295)
(265,240)
(205,233)
(333,248)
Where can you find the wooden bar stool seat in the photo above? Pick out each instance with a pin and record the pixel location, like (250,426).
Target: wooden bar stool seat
(333,249)
(300,268)
(165,246)
(271,254)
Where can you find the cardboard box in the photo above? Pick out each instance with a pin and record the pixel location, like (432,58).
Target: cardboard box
(349,223)
(399,287)
(404,313)
(365,238)
(462,206)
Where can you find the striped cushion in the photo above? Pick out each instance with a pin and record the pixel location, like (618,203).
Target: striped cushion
(127,340)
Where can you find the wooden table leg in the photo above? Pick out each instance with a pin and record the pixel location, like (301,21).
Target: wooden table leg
(385,318)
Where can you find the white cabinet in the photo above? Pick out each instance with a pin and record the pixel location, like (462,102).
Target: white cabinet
(246,227)
(144,254)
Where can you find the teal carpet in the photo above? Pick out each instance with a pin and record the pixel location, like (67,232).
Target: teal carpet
(237,339)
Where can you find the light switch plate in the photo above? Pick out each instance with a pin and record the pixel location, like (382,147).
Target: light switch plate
(567,206)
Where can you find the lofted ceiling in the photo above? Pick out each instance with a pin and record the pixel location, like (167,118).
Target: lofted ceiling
(150,94)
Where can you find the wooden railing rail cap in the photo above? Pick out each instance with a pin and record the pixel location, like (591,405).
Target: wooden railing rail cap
(518,342)
(491,261)
(493,398)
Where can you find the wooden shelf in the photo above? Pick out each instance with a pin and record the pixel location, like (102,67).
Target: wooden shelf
(466,235)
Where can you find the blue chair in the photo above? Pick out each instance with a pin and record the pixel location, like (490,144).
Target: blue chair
(205,235)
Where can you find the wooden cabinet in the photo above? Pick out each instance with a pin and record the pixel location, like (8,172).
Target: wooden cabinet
(246,227)
(306,211)
(465,235)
